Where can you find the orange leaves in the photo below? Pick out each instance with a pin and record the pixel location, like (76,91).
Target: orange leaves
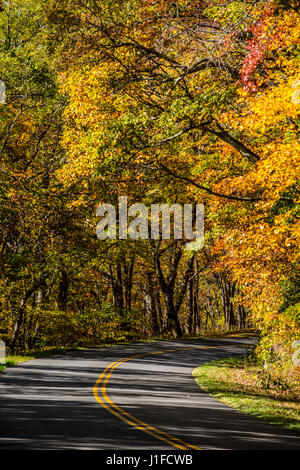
(271,34)
(259,242)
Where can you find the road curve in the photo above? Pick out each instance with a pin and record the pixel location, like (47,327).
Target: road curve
(138,396)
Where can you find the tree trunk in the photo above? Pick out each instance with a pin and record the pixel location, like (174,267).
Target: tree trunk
(117,288)
(173,323)
(150,304)
(127,275)
(190,307)
(196,319)
(227,290)
(242,316)
(21,312)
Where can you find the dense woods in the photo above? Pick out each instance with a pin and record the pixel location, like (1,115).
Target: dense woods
(187,101)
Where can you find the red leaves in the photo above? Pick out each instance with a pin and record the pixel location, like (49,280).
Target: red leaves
(251,62)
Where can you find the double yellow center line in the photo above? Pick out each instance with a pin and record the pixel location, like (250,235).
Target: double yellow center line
(102,397)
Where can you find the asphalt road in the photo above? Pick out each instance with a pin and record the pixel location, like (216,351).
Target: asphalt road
(148,402)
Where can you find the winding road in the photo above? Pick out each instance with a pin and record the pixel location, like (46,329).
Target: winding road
(137,396)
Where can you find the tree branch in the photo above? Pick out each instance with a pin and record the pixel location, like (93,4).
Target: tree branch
(208,190)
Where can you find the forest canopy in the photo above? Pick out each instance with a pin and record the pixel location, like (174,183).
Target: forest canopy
(188,102)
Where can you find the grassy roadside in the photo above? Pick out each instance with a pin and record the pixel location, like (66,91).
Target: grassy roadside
(35,354)
(13,360)
(243,385)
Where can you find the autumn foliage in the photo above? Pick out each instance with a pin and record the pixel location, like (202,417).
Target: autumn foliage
(164,101)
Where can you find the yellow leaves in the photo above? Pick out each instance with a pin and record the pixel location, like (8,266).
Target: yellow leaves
(287,31)
(278,170)
(271,108)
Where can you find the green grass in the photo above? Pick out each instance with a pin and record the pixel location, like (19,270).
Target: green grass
(240,385)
